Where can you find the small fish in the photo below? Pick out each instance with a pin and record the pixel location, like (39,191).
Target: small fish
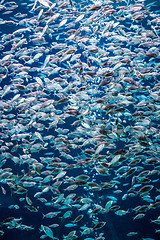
(78,218)
(130,234)
(121,212)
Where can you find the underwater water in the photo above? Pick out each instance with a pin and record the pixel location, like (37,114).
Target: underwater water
(79,120)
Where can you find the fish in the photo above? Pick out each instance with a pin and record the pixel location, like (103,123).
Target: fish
(108,205)
(47,231)
(79,118)
(99,225)
(145,189)
(130,234)
(121,212)
(139,216)
(78,218)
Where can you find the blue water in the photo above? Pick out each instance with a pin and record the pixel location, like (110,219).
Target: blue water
(116,227)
